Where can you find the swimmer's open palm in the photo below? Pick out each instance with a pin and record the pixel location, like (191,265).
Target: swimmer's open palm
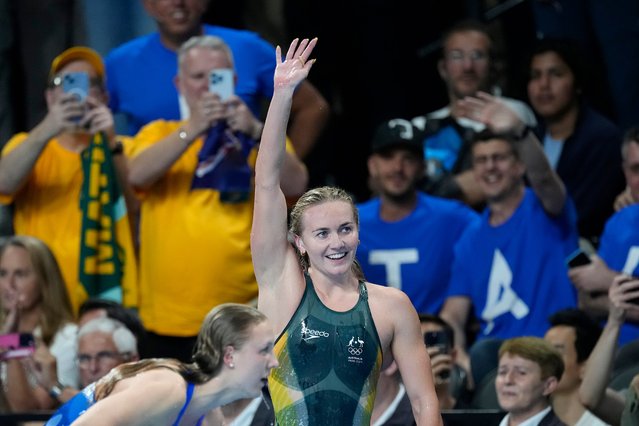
(296,65)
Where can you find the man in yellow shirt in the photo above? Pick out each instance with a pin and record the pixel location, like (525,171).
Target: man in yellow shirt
(41,174)
(194,234)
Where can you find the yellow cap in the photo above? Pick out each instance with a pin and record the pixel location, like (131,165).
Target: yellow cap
(75,54)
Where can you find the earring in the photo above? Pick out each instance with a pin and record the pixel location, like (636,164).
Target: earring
(231,365)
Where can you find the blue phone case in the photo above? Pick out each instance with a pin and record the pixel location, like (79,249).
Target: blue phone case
(76,83)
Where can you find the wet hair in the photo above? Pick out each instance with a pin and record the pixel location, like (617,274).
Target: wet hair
(538,351)
(315,197)
(587,330)
(122,337)
(229,324)
(207,42)
(117,312)
(568,52)
(631,136)
(434,319)
(55,304)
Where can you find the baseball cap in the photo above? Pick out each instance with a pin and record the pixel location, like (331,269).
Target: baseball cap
(398,133)
(78,53)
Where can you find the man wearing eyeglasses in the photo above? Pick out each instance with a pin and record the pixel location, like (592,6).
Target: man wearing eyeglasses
(510,268)
(46,174)
(103,344)
(466,67)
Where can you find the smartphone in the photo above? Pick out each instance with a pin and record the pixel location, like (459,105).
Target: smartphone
(577,258)
(439,340)
(17,345)
(76,83)
(221,83)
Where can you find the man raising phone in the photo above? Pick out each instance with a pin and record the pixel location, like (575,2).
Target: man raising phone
(195,179)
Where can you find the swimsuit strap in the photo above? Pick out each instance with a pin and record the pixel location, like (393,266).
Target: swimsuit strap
(189,395)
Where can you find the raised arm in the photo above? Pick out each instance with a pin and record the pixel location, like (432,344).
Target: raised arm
(500,118)
(269,244)
(455,312)
(593,391)
(152,163)
(17,165)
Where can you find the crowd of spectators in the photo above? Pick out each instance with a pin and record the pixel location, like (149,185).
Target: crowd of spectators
(119,244)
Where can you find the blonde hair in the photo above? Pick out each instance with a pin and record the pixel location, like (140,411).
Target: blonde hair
(229,324)
(55,304)
(206,42)
(314,197)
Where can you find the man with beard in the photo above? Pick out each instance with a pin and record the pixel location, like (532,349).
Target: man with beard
(407,237)
(467,66)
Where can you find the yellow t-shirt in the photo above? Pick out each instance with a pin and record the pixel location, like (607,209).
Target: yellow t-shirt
(194,249)
(48,207)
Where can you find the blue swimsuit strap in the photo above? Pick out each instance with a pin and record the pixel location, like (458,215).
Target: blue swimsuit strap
(189,394)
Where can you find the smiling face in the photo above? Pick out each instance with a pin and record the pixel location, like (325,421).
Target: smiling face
(465,67)
(497,170)
(329,237)
(177,19)
(520,388)
(255,359)
(551,89)
(18,279)
(396,172)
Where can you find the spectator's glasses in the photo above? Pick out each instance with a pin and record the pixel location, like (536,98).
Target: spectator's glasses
(458,56)
(498,158)
(94,83)
(85,360)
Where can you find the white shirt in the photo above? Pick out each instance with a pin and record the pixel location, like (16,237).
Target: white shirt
(246,416)
(392,407)
(589,419)
(530,421)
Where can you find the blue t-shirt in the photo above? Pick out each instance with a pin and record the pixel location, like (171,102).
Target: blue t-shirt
(140,75)
(515,273)
(619,248)
(414,254)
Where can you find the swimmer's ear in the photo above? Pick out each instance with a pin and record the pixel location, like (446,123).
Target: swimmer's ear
(228,356)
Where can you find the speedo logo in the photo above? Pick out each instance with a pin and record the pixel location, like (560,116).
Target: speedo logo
(308,334)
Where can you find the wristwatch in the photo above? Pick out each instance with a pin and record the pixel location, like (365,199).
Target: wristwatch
(56,391)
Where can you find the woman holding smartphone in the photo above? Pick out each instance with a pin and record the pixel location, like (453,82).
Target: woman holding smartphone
(34,300)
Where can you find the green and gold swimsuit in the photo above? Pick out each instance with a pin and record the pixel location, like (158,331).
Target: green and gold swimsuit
(329,364)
